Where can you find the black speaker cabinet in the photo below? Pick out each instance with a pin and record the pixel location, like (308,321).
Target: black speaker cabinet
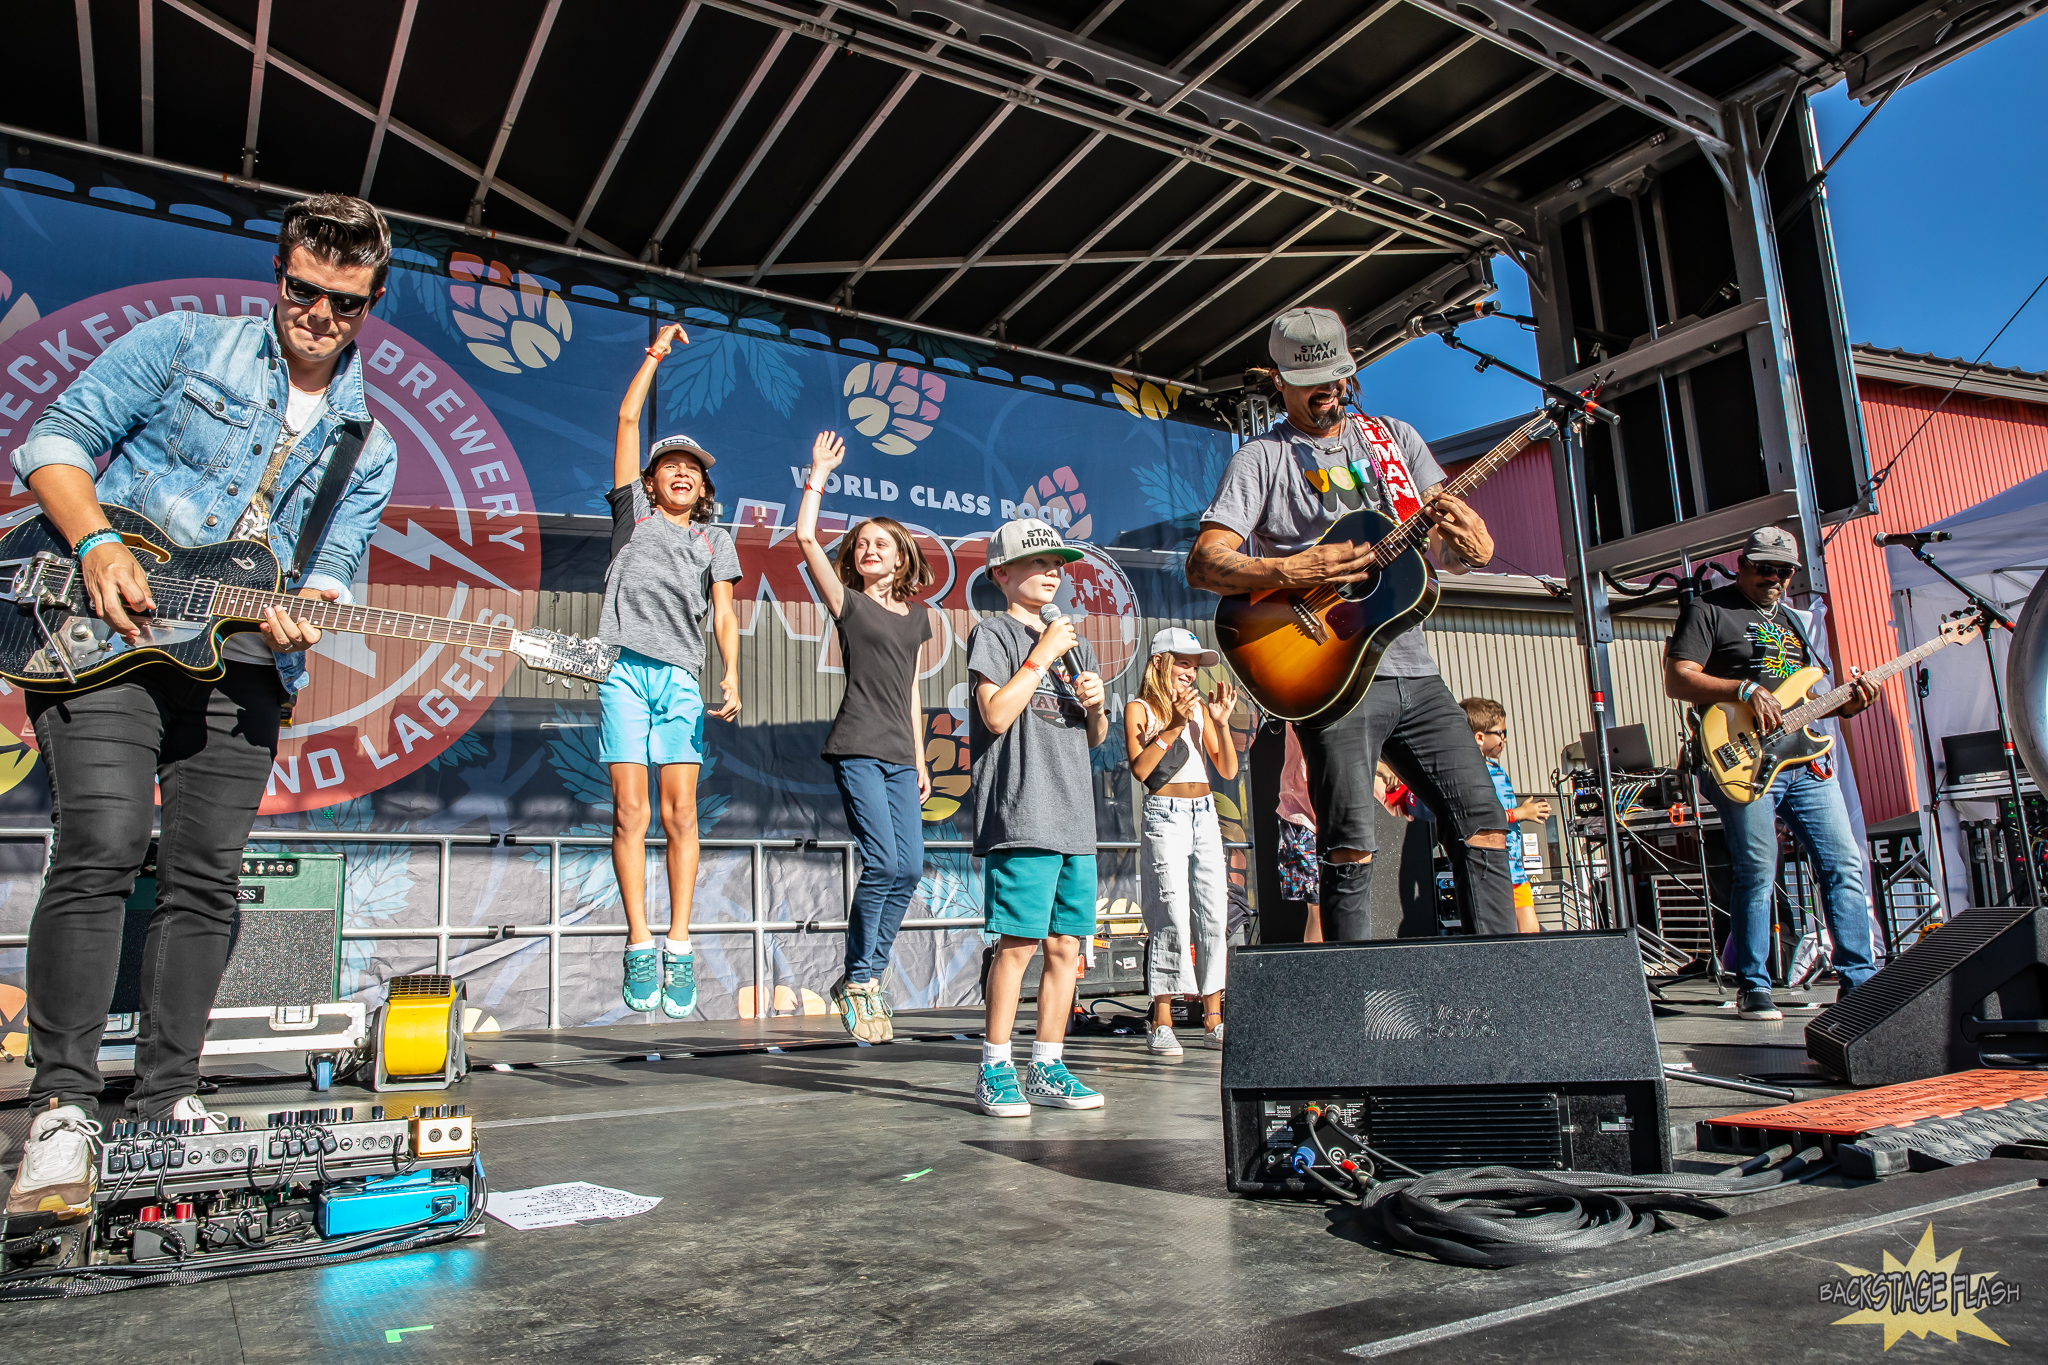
(1968,995)
(1534,1051)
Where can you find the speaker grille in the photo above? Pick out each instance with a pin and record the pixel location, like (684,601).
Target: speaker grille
(420,983)
(1904,978)
(1432,1131)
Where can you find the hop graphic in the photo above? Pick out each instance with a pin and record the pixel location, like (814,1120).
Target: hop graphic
(514,323)
(1058,492)
(945,751)
(893,405)
(1143,398)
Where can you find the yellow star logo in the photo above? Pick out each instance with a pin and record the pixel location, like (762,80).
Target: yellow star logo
(1926,1296)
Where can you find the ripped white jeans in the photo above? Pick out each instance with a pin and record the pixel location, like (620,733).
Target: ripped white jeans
(1191,884)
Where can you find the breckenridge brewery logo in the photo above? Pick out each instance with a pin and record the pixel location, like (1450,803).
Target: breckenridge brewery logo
(1926,1296)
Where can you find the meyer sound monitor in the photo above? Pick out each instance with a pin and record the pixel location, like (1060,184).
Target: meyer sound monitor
(1970,994)
(1535,1051)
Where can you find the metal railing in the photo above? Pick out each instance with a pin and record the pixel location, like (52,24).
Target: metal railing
(758,926)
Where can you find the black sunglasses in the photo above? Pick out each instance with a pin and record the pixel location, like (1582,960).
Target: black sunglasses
(1784,571)
(305,295)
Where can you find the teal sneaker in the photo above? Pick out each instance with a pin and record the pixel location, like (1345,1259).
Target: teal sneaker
(678,984)
(1051,1083)
(997,1092)
(643,978)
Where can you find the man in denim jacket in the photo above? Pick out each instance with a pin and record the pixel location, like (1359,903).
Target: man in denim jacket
(217,428)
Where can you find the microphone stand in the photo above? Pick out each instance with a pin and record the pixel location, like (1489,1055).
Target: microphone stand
(1572,409)
(1988,616)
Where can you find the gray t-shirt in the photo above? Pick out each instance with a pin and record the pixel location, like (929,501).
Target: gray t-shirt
(1033,787)
(658,589)
(1266,497)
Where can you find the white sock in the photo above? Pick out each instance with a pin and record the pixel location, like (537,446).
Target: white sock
(1047,1052)
(676,946)
(993,1053)
(643,943)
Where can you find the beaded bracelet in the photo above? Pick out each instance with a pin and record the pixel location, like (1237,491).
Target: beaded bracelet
(106,535)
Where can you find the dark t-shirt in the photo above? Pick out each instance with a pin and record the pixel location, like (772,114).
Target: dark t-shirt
(1728,637)
(880,649)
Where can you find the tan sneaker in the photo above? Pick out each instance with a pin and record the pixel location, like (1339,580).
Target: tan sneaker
(55,1181)
(864,1012)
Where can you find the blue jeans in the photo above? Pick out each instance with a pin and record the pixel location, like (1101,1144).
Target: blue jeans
(888,824)
(1814,811)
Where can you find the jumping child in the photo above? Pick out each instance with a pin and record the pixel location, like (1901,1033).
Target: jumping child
(669,566)
(876,747)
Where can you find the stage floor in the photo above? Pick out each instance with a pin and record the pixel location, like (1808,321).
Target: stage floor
(825,1202)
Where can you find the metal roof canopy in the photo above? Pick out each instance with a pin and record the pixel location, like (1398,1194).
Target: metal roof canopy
(1127,184)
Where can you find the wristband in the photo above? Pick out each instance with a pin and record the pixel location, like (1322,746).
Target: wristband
(1748,691)
(1034,665)
(815,489)
(658,355)
(106,535)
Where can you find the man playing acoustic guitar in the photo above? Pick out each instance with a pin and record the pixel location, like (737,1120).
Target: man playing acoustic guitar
(1734,645)
(1281,492)
(217,428)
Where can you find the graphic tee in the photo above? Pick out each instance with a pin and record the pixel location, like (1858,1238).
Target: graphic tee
(1283,490)
(880,649)
(1728,637)
(657,591)
(1505,790)
(1033,783)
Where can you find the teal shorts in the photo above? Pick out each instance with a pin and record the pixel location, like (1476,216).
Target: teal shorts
(1035,893)
(650,712)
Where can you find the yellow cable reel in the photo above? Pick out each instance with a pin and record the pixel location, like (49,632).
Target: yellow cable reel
(419,1035)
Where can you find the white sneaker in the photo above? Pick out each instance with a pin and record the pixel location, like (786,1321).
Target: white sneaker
(191,1110)
(1160,1042)
(56,1174)
(1213,1038)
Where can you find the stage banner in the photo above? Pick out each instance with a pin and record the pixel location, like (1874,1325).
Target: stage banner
(499,375)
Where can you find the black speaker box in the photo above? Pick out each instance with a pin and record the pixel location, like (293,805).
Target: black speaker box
(1535,1051)
(1962,997)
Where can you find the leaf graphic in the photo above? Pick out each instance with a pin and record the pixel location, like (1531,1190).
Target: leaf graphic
(573,754)
(769,367)
(699,377)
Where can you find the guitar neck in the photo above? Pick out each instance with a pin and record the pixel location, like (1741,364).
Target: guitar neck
(1414,530)
(249,604)
(1827,703)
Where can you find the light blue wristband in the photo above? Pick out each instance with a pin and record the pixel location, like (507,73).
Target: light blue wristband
(106,535)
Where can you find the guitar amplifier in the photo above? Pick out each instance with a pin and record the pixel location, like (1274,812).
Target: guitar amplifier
(287,943)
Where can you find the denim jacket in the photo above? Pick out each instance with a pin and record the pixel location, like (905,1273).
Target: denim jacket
(190,406)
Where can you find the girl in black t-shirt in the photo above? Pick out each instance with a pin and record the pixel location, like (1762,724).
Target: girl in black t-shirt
(876,747)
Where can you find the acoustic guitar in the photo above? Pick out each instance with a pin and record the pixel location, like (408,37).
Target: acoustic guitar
(53,641)
(1308,655)
(1744,762)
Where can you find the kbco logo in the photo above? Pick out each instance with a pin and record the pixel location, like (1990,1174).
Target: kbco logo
(458,539)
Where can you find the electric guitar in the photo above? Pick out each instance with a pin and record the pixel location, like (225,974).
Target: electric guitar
(1308,655)
(1744,762)
(53,641)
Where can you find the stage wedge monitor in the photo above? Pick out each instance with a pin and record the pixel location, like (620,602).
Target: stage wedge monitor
(1973,993)
(1533,1051)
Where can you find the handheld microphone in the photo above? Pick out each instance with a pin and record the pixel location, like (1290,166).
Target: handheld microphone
(1912,539)
(1432,324)
(1049,614)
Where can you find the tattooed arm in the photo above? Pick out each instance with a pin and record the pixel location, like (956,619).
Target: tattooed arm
(1218,564)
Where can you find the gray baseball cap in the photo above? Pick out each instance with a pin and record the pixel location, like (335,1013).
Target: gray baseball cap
(1309,347)
(1025,538)
(1771,545)
(669,445)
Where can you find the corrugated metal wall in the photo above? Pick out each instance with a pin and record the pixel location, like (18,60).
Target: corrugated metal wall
(1974,448)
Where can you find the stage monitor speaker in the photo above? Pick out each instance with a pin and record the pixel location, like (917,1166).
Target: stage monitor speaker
(1535,1051)
(1965,996)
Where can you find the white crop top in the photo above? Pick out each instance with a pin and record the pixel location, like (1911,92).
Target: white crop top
(1195,769)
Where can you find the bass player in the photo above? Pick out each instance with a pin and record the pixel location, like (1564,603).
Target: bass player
(1735,644)
(1280,493)
(218,428)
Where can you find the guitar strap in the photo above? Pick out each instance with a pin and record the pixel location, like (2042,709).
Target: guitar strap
(340,464)
(1822,767)
(1388,464)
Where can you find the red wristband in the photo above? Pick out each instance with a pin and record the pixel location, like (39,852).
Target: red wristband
(656,354)
(1034,665)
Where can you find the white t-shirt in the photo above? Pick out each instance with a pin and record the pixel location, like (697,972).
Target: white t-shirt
(301,410)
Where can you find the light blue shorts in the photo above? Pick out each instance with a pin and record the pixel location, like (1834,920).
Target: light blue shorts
(652,713)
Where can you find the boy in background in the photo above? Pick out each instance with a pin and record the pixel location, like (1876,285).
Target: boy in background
(1489,722)
(1037,711)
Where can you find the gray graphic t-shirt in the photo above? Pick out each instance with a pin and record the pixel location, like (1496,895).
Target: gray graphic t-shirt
(658,589)
(1266,496)
(1033,787)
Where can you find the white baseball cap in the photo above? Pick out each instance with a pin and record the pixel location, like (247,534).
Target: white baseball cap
(1309,347)
(1027,537)
(1180,640)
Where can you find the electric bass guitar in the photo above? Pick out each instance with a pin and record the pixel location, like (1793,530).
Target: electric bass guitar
(53,641)
(1744,762)
(1308,655)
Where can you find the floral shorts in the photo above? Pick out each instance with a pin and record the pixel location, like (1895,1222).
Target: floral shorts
(1300,877)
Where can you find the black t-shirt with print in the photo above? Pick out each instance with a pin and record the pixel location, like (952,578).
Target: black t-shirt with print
(1729,637)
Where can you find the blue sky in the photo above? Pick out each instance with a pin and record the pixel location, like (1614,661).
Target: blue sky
(1940,216)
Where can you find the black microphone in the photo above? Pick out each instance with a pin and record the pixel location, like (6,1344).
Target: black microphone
(1912,539)
(1049,614)
(1430,324)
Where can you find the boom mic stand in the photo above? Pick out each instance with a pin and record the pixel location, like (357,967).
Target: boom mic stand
(1990,615)
(1571,410)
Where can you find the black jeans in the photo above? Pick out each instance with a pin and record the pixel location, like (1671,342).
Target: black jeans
(1413,724)
(208,747)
